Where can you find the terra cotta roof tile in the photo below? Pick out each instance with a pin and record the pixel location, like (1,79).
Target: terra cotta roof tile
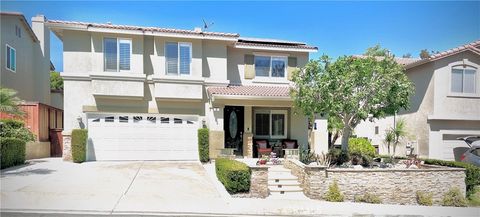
(250,90)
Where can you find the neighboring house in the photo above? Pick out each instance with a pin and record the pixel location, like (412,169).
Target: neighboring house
(25,61)
(445,106)
(143,92)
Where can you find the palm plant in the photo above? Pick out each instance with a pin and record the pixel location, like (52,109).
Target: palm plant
(9,102)
(389,138)
(395,135)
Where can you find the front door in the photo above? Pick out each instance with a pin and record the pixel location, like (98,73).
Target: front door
(233,128)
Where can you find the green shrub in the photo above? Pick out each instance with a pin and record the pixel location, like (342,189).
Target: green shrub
(367,198)
(361,146)
(306,156)
(454,197)
(474,198)
(11,128)
(333,194)
(338,156)
(203,144)
(472,178)
(424,199)
(234,175)
(13,152)
(79,145)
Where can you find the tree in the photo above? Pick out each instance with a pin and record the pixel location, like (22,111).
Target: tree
(389,139)
(9,102)
(352,89)
(304,92)
(56,81)
(376,50)
(334,128)
(424,54)
(407,55)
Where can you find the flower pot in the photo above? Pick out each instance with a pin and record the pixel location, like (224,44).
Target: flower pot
(262,162)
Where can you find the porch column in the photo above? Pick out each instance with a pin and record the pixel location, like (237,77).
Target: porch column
(247,133)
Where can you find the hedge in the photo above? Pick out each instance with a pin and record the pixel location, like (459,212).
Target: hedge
(360,146)
(234,175)
(472,178)
(79,145)
(13,152)
(11,128)
(203,144)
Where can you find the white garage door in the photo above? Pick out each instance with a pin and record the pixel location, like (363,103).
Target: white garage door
(142,137)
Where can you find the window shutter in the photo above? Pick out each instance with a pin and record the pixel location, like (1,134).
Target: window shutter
(292,66)
(249,67)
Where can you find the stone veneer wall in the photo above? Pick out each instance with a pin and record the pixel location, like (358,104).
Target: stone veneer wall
(67,146)
(259,182)
(393,186)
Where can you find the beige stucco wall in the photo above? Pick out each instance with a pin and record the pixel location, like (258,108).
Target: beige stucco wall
(89,89)
(32,76)
(434,110)
(451,105)
(35,150)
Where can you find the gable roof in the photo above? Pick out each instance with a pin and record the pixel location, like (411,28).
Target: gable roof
(473,47)
(23,21)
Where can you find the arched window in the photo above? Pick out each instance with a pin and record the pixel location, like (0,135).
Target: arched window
(463,79)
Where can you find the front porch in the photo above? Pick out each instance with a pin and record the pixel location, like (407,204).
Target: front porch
(239,116)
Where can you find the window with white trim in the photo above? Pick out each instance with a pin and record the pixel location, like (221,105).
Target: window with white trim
(270,66)
(178,58)
(11,58)
(463,79)
(117,54)
(270,124)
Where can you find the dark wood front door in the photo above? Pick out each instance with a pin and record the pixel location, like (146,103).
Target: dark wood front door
(233,128)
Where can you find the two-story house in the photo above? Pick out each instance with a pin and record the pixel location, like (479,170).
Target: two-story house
(444,107)
(25,67)
(143,92)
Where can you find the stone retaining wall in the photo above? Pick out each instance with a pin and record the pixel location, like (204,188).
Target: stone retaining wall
(392,186)
(259,182)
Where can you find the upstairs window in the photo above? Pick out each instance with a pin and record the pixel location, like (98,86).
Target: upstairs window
(117,54)
(178,58)
(463,80)
(270,66)
(11,57)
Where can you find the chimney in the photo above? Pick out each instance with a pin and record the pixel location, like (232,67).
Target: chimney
(197,29)
(43,35)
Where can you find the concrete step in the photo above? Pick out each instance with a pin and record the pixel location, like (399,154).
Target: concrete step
(288,195)
(279,177)
(285,189)
(284,182)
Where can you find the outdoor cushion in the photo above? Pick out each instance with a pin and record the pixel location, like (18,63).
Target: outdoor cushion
(262,144)
(290,145)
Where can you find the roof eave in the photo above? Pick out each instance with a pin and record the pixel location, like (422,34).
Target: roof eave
(290,49)
(57,27)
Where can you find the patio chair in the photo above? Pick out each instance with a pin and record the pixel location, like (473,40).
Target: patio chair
(290,148)
(262,146)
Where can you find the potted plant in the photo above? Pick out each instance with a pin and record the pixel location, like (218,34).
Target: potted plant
(263,160)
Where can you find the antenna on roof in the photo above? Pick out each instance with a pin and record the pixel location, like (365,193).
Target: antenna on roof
(206,25)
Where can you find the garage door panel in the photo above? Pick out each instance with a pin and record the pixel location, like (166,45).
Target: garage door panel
(142,140)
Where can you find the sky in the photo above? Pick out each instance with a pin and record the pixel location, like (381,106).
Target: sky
(336,28)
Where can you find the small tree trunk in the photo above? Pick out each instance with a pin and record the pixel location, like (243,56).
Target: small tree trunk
(335,137)
(345,136)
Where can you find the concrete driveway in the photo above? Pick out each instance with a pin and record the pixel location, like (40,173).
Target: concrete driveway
(102,187)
